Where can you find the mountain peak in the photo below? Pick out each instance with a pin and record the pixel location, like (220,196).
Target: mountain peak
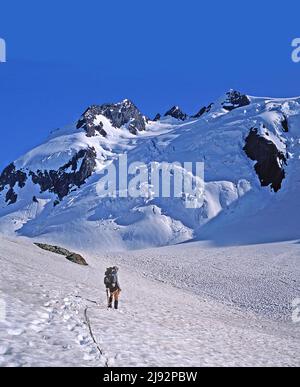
(157,117)
(177,113)
(120,114)
(126,102)
(234,99)
(204,109)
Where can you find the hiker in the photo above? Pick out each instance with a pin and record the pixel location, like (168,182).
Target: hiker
(113,289)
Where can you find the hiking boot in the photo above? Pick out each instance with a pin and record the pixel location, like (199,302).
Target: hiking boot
(116,304)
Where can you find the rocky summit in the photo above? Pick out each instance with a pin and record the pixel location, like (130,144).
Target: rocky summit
(120,114)
(177,113)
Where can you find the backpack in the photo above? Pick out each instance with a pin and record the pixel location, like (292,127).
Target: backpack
(109,278)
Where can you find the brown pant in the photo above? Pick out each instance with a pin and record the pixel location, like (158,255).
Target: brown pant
(114,296)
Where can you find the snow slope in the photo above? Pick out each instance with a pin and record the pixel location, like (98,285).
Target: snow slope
(49,301)
(236,209)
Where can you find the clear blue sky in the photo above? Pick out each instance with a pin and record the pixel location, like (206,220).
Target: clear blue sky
(65,55)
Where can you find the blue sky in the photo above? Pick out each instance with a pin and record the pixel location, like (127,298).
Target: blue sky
(64,56)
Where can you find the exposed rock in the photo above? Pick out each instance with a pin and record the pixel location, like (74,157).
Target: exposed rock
(9,178)
(177,113)
(235,100)
(93,130)
(120,114)
(205,109)
(76,258)
(53,249)
(73,257)
(61,182)
(11,196)
(157,117)
(285,124)
(270,161)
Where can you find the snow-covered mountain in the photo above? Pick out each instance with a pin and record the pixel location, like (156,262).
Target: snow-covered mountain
(250,147)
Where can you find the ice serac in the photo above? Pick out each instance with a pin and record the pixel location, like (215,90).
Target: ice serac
(234,99)
(177,113)
(270,161)
(121,114)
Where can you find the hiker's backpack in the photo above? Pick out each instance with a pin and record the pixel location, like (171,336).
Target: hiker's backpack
(109,278)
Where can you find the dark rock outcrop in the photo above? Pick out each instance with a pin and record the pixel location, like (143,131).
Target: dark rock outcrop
(76,258)
(270,161)
(285,124)
(204,109)
(87,122)
(157,117)
(177,113)
(11,197)
(53,249)
(73,257)
(61,181)
(9,178)
(120,114)
(235,100)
